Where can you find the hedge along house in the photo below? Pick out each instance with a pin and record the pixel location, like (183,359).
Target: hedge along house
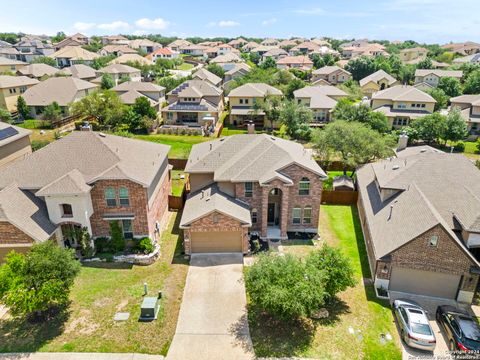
(420,217)
(87,180)
(245,184)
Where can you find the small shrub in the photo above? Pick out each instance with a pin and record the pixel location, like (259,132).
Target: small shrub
(116,234)
(459,146)
(145,246)
(103,244)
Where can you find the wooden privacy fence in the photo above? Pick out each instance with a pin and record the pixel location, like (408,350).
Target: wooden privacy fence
(331,197)
(178,164)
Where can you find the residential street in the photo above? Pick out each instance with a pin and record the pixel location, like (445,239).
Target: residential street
(213,321)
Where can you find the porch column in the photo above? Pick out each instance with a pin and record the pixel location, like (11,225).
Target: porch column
(264,210)
(284,212)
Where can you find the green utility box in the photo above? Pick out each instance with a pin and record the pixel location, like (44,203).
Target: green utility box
(149,309)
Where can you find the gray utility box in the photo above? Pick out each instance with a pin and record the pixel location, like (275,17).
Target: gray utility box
(149,309)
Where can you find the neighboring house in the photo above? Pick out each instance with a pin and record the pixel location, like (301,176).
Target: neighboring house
(14,143)
(38,71)
(11,87)
(320,99)
(10,65)
(470,110)
(321,42)
(420,220)
(377,81)
(30,49)
(115,39)
(204,74)
(334,75)
(369,50)
(287,44)
(432,76)
(163,53)
(119,72)
(145,45)
(226,61)
(262,49)
(84,180)
(62,90)
(402,104)
(249,183)
(71,55)
(407,55)
(177,44)
(221,49)
(194,103)
(131,58)
(238,69)
(244,99)
(238,43)
(250,46)
(472,59)
(304,48)
(301,62)
(466,48)
(275,53)
(74,40)
(193,50)
(269,42)
(9,52)
(81,71)
(116,50)
(131,90)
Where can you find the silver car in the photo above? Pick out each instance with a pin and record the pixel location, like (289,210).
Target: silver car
(415,329)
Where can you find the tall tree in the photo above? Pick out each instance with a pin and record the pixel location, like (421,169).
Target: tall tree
(22,108)
(52,112)
(268,63)
(216,69)
(296,119)
(107,82)
(361,67)
(472,83)
(345,110)
(44,60)
(440,97)
(430,128)
(450,86)
(455,126)
(293,85)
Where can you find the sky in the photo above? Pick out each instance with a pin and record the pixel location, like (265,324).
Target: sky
(430,21)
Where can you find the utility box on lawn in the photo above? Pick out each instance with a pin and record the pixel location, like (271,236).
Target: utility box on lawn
(149,309)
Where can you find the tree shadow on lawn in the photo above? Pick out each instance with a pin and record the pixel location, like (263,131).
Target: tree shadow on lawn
(18,334)
(178,256)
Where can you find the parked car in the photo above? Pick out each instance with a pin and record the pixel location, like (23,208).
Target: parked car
(415,329)
(461,330)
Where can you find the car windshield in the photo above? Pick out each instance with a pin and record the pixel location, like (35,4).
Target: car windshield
(469,328)
(422,329)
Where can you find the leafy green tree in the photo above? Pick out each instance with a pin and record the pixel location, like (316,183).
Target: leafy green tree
(345,110)
(169,82)
(293,85)
(440,97)
(455,126)
(425,64)
(124,78)
(5,115)
(58,37)
(407,74)
(271,107)
(355,143)
(143,108)
(116,234)
(255,58)
(361,67)
(353,90)
(430,128)
(44,60)
(107,81)
(102,61)
(52,112)
(318,61)
(268,63)
(450,86)
(217,70)
(22,108)
(296,118)
(338,270)
(472,83)
(285,287)
(39,280)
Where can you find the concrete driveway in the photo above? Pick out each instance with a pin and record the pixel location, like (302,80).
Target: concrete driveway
(212,323)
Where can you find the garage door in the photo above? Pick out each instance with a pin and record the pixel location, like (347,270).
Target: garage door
(427,283)
(216,241)
(5,250)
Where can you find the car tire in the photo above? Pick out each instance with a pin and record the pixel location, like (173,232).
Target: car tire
(402,336)
(451,345)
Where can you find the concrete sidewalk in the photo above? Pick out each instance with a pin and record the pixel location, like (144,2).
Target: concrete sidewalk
(79,356)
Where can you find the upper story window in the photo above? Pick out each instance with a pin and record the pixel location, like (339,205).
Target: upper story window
(307,214)
(110,197)
(296,215)
(433,242)
(123,196)
(248,189)
(304,186)
(66,210)
(12,90)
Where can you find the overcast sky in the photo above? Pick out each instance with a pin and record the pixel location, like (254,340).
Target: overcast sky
(433,21)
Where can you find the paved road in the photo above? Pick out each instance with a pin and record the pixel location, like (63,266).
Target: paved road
(213,319)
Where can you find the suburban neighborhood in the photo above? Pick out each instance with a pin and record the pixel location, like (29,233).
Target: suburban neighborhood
(236,191)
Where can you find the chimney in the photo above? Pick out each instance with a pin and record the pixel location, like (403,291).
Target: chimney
(251,127)
(402,142)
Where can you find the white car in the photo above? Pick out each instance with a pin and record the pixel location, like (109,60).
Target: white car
(415,329)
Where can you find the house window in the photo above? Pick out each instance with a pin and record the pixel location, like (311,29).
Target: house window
(66,210)
(127,229)
(254,216)
(215,218)
(123,196)
(296,215)
(249,189)
(433,242)
(110,197)
(12,90)
(307,214)
(423,105)
(23,89)
(246,101)
(304,186)
(240,101)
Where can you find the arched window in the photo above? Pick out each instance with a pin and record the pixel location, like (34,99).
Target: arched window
(307,214)
(304,186)
(123,196)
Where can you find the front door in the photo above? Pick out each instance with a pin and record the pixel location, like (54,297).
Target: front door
(271,214)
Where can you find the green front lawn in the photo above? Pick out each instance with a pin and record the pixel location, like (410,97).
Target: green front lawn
(35,124)
(180,144)
(184,66)
(356,307)
(101,290)
(177,183)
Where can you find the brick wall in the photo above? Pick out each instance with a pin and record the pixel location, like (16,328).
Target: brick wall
(10,234)
(159,205)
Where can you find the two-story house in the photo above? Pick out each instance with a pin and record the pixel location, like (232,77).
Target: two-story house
(320,99)
(84,180)
(194,103)
(334,75)
(144,45)
(71,55)
(30,49)
(428,78)
(129,91)
(402,104)
(176,45)
(119,72)
(470,110)
(39,71)
(10,65)
(116,50)
(301,62)
(245,104)
(420,220)
(377,81)
(238,43)
(204,74)
(245,184)
(11,87)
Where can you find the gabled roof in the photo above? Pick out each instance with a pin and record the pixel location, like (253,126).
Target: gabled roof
(210,200)
(74,53)
(125,58)
(321,97)
(440,73)
(39,70)
(204,74)
(111,48)
(119,69)
(179,43)
(80,71)
(300,59)
(327,70)
(139,86)
(473,100)
(275,52)
(72,183)
(131,96)
(238,67)
(7,81)
(377,76)
(196,88)
(249,157)
(255,90)
(137,43)
(229,57)
(403,93)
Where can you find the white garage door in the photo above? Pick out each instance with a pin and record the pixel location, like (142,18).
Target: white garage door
(427,283)
(216,241)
